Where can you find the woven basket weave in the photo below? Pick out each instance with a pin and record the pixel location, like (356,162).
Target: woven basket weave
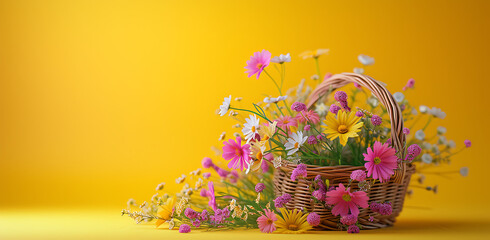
(392,191)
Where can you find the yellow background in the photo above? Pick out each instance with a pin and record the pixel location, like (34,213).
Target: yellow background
(102,100)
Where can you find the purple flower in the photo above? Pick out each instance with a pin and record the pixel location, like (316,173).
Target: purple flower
(340,96)
(299,171)
(204,216)
(206,175)
(298,106)
(345,106)
(281,200)
(386,209)
(259,187)
(312,140)
(320,137)
(349,219)
(204,192)
(374,206)
(359,114)
(207,162)
(313,219)
(467,143)
(413,151)
(406,131)
(307,128)
(371,218)
(357,85)
(376,120)
(265,166)
(353,229)
(222,173)
(184,228)
(410,84)
(334,109)
(319,195)
(190,213)
(196,223)
(358,175)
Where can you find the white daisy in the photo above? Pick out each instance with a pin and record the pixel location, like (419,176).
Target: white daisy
(295,142)
(251,128)
(427,158)
(437,112)
(451,144)
(464,171)
(275,100)
(223,109)
(359,70)
(423,109)
(441,130)
(282,58)
(365,59)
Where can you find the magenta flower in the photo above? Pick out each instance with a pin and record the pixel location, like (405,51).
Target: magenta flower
(467,143)
(353,229)
(380,162)
(266,221)
(376,120)
(207,162)
(238,154)
(313,219)
(358,175)
(184,228)
(259,187)
(349,219)
(340,96)
(210,195)
(258,62)
(359,114)
(343,201)
(334,109)
(299,172)
(286,121)
(410,84)
(298,106)
(406,131)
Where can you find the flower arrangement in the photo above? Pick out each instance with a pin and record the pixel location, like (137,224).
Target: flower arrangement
(352,129)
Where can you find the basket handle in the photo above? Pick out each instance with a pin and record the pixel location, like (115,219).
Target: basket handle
(384,96)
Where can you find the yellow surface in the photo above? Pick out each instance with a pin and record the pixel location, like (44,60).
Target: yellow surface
(102,100)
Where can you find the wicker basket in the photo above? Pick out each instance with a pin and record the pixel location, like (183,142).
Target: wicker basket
(393,191)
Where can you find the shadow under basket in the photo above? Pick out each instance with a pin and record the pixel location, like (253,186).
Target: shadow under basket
(393,191)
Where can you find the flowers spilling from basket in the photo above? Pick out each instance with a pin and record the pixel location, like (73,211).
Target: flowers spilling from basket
(350,129)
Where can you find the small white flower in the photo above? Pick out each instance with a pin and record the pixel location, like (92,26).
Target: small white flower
(359,70)
(427,158)
(399,97)
(315,77)
(160,186)
(275,100)
(437,112)
(281,58)
(423,109)
(131,202)
(251,127)
(426,145)
(223,109)
(414,112)
(436,150)
(441,130)
(373,101)
(365,59)
(321,109)
(464,171)
(295,142)
(222,136)
(180,179)
(442,140)
(451,144)
(420,135)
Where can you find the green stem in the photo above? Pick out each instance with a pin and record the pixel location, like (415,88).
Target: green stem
(246,110)
(427,124)
(278,108)
(318,70)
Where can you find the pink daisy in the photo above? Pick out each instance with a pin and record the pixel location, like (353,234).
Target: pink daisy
(343,201)
(238,154)
(210,195)
(258,62)
(286,121)
(380,162)
(266,222)
(310,115)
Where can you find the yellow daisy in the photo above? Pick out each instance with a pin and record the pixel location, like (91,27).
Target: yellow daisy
(266,132)
(165,212)
(257,154)
(314,53)
(292,222)
(346,125)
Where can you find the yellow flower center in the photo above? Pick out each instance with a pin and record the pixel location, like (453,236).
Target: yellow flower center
(286,121)
(346,197)
(269,221)
(253,128)
(238,152)
(377,160)
(259,65)
(342,129)
(296,145)
(259,155)
(293,227)
(266,137)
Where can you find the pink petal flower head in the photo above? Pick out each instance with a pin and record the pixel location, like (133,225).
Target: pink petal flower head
(190,213)
(358,175)
(334,109)
(184,228)
(207,162)
(299,172)
(286,121)
(319,195)
(349,219)
(340,96)
(344,201)
(359,114)
(412,152)
(204,215)
(259,187)
(266,221)
(357,85)
(353,229)
(238,154)
(376,120)
(306,116)
(345,106)
(313,219)
(206,175)
(307,128)
(327,76)
(204,193)
(380,161)
(211,196)
(298,106)
(264,166)
(258,62)
(410,84)
(281,200)
(467,143)
(312,140)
